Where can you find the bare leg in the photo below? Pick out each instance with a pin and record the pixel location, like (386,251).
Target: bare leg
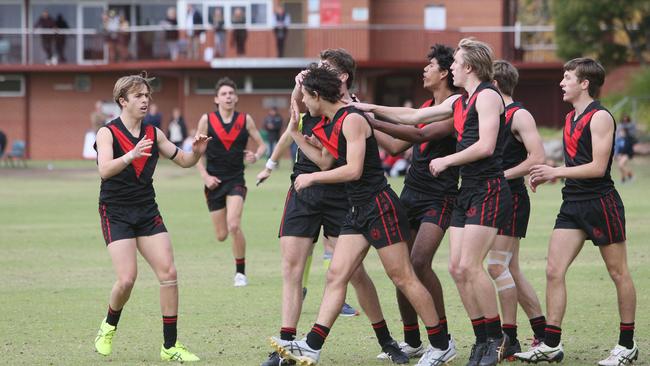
(526,295)
(615,257)
(295,251)
(499,259)
(124,258)
(234,209)
(157,250)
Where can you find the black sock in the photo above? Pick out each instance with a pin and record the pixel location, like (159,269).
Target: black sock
(538,324)
(626,337)
(240,265)
(552,335)
(437,338)
(316,337)
(511,331)
(287,334)
(113,316)
(479,329)
(443,324)
(169,330)
(412,335)
(493,327)
(382,332)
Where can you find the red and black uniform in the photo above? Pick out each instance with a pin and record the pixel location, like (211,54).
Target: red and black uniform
(591,205)
(319,205)
(514,152)
(127,205)
(484,198)
(225,158)
(425,197)
(375,210)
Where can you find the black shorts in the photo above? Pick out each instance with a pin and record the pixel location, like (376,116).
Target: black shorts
(602,219)
(488,203)
(216,198)
(382,221)
(315,206)
(517,224)
(127,222)
(421,207)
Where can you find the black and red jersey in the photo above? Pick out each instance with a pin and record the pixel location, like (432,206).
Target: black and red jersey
(418,176)
(225,152)
(134,184)
(372,179)
(467,133)
(302,164)
(578,151)
(514,151)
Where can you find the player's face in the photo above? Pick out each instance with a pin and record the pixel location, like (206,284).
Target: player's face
(311,102)
(458,69)
(571,86)
(432,75)
(137,102)
(226,97)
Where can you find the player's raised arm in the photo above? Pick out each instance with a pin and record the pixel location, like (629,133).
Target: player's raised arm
(411,116)
(255,135)
(320,156)
(178,156)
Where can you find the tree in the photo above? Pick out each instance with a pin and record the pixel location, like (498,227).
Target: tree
(613,31)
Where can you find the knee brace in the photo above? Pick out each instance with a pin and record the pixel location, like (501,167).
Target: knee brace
(502,258)
(169,283)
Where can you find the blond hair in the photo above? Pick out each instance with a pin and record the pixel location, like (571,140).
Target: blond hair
(478,55)
(126,84)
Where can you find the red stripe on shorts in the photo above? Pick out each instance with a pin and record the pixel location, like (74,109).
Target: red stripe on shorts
(399,232)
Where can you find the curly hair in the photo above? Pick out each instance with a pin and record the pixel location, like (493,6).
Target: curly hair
(343,61)
(324,82)
(445,57)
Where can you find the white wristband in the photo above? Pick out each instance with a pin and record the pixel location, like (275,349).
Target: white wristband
(270,164)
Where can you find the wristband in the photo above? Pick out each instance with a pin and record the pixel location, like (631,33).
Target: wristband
(270,164)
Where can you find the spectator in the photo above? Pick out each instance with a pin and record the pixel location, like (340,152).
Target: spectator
(47,24)
(60,39)
(193,24)
(124,38)
(219,33)
(171,34)
(273,126)
(177,131)
(153,116)
(240,33)
(624,148)
(281,22)
(111,28)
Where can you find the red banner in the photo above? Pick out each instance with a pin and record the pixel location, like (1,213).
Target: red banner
(330,12)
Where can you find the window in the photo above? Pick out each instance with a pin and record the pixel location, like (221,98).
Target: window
(273,82)
(435,17)
(12,85)
(206,84)
(11,45)
(258,14)
(59,48)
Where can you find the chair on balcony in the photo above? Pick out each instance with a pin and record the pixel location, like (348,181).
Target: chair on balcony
(16,157)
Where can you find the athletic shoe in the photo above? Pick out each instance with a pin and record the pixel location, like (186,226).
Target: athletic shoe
(511,349)
(410,352)
(542,353)
(452,342)
(298,351)
(177,353)
(437,357)
(347,310)
(104,339)
(478,349)
(240,280)
(395,353)
(621,356)
(276,360)
(494,351)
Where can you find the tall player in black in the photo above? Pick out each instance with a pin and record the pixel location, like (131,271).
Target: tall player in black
(223,176)
(591,209)
(127,153)
(375,218)
(428,200)
(304,214)
(484,202)
(523,148)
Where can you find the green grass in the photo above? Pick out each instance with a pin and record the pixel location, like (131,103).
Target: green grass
(56,276)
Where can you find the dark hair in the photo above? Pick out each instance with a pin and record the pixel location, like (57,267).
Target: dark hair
(445,57)
(324,82)
(343,61)
(225,81)
(588,69)
(506,76)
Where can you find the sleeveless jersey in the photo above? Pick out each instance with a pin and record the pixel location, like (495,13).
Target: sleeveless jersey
(578,151)
(225,152)
(372,179)
(514,151)
(467,133)
(418,176)
(134,184)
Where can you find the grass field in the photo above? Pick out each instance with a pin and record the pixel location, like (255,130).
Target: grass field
(56,276)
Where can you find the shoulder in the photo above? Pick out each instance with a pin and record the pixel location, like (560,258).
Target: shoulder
(602,121)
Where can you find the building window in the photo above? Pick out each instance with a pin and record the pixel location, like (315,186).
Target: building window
(259,14)
(53,48)
(435,17)
(273,83)
(12,85)
(11,45)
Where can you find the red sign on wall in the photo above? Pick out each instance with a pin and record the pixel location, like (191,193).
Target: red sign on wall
(330,12)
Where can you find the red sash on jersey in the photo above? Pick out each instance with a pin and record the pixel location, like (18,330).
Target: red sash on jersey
(127,145)
(227,138)
(510,112)
(426,104)
(571,140)
(330,143)
(460,114)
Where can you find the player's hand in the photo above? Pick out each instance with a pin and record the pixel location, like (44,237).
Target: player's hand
(142,148)
(540,174)
(200,144)
(250,157)
(437,166)
(300,77)
(366,107)
(303,181)
(262,176)
(314,141)
(211,182)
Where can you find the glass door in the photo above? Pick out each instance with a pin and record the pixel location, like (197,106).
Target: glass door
(92,38)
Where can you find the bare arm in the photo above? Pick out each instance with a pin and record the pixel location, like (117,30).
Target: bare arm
(392,145)
(210,181)
(411,116)
(182,158)
(280,148)
(319,156)
(523,125)
(254,133)
(109,167)
(434,131)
